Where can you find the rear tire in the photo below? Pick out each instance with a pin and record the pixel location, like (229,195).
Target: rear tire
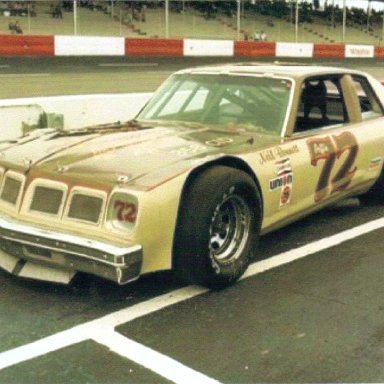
(218,227)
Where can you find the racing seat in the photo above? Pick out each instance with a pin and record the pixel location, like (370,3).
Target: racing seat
(315,96)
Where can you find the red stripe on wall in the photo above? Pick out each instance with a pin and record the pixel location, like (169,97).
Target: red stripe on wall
(379,52)
(153,47)
(254,48)
(336,51)
(21,45)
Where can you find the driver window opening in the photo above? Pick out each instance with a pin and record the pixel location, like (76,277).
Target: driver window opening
(321,105)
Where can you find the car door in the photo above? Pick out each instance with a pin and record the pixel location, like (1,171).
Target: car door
(337,147)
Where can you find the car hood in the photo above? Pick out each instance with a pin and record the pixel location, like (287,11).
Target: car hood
(109,154)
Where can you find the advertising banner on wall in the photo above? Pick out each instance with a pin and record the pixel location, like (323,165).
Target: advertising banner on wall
(352,50)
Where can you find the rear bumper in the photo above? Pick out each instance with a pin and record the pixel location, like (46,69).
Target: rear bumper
(33,252)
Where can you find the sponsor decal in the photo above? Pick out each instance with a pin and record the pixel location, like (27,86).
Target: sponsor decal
(284,174)
(352,50)
(283,167)
(277,153)
(375,164)
(285,197)
(281,181)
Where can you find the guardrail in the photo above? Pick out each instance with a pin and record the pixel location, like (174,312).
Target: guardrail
(119,46)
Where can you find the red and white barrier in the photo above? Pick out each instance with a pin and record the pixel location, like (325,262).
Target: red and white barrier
(193,47)
(27,45)
(379,52)
(255,49)
(329,51)
(119,46)
(153,47)
(294,50)
(89,46)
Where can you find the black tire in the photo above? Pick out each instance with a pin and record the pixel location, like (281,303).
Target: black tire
(218,227)
(376,193)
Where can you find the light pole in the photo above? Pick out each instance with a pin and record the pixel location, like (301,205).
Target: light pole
(297,22)
(29,19)
(344,19)
(238,19)
(166,19)
(382,33)
(75,17)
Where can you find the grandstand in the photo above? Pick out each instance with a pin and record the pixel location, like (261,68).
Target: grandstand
(202,21)
(89,22)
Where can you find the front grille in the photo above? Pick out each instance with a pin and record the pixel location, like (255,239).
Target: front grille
(86,208)
(47,200)
(11,190)
(30,250)
(19,250)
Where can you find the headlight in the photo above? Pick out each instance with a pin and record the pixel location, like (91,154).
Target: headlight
(122,211)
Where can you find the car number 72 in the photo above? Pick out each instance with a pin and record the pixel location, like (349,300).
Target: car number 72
(329,149)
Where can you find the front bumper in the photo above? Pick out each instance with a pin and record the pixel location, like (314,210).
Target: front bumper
(33,252)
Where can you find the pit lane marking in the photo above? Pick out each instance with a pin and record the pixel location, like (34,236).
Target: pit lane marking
(94,330)
(311,248)
(148,358)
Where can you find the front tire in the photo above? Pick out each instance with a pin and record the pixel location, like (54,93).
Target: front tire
(218,227)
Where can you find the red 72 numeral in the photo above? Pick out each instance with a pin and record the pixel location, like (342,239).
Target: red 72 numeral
(329,149)
(126,212)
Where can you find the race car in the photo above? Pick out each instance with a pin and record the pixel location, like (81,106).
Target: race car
(219,156)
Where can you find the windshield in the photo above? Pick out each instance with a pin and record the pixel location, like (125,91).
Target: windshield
(254,103)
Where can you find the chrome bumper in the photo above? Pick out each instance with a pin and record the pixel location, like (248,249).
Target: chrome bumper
(38,253)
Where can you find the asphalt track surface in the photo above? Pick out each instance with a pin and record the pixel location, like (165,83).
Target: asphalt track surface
(23,77)
(310,310)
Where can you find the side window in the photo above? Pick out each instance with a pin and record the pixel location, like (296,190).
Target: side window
(369,105)
(321,104)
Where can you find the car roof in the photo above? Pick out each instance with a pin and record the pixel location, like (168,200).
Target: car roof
(289,70)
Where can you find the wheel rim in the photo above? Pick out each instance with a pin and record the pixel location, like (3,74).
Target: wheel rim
(229,229)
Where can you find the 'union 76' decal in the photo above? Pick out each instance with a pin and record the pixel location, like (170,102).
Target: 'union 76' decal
(328,150)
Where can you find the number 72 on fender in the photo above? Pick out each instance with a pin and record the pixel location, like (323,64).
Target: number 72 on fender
(326,152)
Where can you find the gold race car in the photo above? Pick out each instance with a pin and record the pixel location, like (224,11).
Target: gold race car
(219,156)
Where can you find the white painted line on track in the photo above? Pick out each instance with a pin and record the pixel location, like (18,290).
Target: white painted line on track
(95,328)
(148,358)
(311,248)
(43,346)
(85,331)
(147,307)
